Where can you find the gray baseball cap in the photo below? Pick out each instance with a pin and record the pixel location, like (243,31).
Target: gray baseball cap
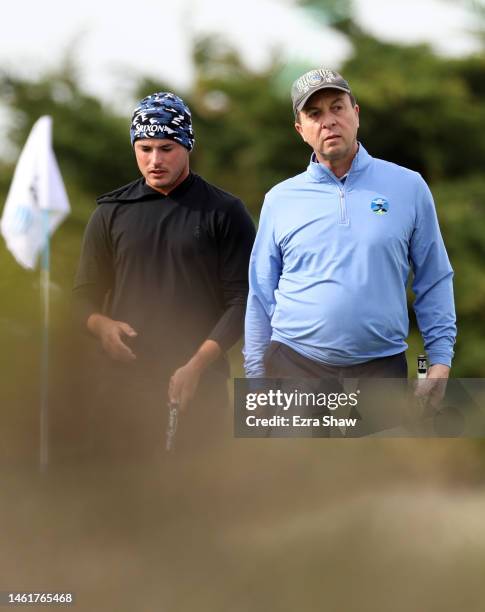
(315,80)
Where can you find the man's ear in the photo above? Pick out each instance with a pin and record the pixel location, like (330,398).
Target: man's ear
(299,129)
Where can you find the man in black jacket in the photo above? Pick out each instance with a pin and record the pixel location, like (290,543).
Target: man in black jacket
(162,279)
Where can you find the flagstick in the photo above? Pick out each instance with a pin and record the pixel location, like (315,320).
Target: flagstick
(44,383)
(37,186)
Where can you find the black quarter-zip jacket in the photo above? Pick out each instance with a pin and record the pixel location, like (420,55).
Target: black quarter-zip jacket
(174,267)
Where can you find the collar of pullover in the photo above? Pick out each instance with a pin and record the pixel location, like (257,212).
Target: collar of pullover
(138,191)
(322,174)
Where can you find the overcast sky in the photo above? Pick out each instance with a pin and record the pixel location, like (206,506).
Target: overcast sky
(153,36)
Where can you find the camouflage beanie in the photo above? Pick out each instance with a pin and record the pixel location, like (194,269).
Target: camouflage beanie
(163,115)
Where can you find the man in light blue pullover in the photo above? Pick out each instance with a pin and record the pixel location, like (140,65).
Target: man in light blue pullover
(334,248)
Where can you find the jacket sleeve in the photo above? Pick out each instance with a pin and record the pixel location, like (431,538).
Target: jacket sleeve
(236,237)
(264,274)
(95,276)
(433,282)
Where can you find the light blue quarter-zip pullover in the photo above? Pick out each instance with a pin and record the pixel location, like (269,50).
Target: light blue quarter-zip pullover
(330,264)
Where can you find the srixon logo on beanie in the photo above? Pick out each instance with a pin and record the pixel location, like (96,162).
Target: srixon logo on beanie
(153,129)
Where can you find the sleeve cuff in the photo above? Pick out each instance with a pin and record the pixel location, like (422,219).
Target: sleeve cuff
(440,358)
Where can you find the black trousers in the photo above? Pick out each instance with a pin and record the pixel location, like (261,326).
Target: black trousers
(127,417)
(283,362)
(374,413)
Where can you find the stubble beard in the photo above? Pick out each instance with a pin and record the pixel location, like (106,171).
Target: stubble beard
(167,183)
(339,153)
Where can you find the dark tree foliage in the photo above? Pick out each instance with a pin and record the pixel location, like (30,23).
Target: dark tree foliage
(91,142)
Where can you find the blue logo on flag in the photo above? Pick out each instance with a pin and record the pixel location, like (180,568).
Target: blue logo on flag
(21,219)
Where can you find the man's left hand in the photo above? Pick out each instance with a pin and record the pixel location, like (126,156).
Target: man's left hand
(433,388)
(183,385)
(185,380)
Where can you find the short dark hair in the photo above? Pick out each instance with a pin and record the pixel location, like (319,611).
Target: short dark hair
(353,102)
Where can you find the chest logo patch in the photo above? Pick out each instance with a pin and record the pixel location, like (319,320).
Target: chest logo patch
(380,206)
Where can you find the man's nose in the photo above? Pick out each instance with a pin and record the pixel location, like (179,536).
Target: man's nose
(156,157)
(328,120)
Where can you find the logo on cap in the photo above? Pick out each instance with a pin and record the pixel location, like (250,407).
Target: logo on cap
(380,206)
(314,78)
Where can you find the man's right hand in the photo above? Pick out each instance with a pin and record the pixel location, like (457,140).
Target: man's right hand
(111,334)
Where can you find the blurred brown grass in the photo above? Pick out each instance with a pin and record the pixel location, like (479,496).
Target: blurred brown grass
(239,524)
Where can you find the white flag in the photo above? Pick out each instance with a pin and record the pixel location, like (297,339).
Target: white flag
(37,201)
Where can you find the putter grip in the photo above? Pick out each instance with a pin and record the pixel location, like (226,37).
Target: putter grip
(173,410)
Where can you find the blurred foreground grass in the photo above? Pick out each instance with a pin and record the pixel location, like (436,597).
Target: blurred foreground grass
(280,525)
